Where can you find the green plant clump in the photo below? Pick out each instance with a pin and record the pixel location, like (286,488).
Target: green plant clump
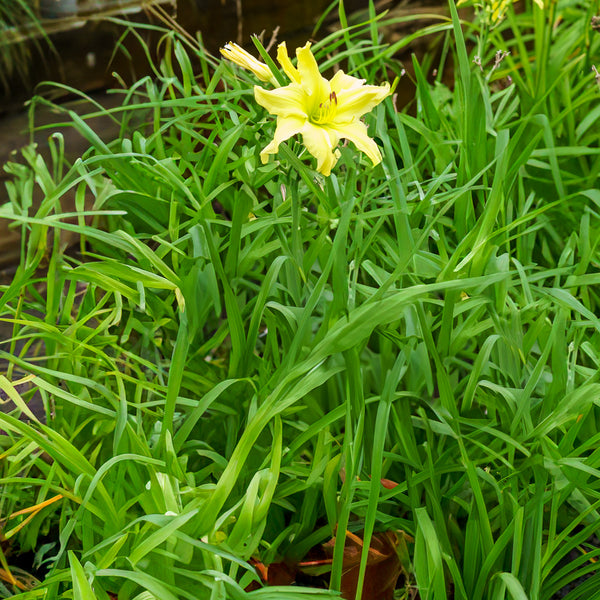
(238,353)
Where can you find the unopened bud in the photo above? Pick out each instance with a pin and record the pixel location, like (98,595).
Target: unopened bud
(241,57)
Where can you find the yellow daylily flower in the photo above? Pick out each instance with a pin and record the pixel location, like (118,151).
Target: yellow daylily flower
(495,10)
(498,8)
(244,59)
(323,111)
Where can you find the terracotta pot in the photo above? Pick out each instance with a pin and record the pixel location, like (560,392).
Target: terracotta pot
(56,9)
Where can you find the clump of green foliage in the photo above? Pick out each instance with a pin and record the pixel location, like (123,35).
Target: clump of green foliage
(239,352)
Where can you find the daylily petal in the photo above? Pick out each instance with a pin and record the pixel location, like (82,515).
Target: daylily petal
(356,132)
(286,128)
(316,86)
(283,102)
(286,64)
(321,142)
(354,103)
(340,81)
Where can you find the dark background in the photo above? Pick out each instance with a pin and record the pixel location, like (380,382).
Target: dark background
(82,50)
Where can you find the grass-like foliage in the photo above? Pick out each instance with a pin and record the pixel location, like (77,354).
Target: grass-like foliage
(239,352)
(19,30)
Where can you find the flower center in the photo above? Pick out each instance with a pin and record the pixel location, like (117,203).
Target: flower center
(326,110)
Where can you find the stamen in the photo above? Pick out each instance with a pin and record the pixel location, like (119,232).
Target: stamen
(326,111)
